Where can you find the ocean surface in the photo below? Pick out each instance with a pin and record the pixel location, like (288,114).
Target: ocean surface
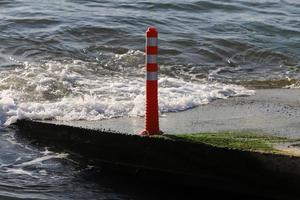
(84,60)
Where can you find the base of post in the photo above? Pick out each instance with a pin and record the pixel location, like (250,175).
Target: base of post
(147,133)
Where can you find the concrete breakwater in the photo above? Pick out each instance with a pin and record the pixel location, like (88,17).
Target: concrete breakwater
(174,160)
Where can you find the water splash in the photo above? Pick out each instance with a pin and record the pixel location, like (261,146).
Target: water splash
(78,90)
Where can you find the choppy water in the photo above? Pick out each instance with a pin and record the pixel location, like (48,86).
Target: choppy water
(70,60)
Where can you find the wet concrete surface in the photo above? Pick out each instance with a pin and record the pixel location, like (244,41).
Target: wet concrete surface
(274,111)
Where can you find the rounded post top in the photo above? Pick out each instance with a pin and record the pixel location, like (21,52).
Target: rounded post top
(151,32)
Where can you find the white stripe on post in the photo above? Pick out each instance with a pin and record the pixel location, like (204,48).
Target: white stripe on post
(151,59)
(151,76)
(151,41)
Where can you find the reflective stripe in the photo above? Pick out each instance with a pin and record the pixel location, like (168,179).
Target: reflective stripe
(152,76)
(151,59)
(151,41)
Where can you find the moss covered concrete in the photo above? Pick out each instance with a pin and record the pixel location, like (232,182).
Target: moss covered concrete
(247,141)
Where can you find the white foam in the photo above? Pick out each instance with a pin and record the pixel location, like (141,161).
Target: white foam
(293,86)
(20,168)
(18,171)
(40,160)
(92,91)
(43,172)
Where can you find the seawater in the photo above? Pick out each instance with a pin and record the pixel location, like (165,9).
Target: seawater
(84,60)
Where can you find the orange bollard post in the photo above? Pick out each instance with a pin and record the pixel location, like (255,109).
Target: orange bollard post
(151,116)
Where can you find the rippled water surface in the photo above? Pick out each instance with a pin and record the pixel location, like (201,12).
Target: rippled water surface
(83,60)
(243,39)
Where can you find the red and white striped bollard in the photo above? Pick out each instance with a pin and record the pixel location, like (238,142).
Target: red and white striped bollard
(151,116)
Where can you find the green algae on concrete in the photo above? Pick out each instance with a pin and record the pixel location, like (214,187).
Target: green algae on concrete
(238,140)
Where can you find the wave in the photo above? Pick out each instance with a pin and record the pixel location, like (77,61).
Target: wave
(78,90)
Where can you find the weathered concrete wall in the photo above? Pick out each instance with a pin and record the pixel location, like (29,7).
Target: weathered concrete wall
(175,160)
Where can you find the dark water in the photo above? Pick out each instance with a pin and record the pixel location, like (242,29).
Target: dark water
(57,57)
(226,40)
